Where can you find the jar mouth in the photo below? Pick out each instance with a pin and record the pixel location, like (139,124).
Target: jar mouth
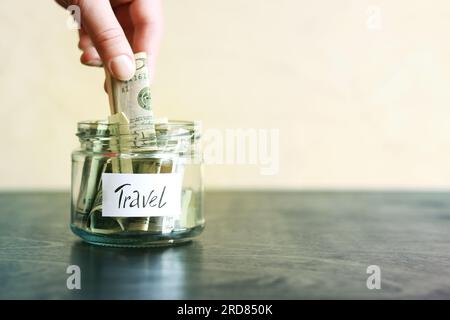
(160,121)
(164,127)
(159,135)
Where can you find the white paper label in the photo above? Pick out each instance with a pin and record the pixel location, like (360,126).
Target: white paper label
(141,195)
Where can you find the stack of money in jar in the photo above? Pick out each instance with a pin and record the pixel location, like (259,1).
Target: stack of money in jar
(132,122)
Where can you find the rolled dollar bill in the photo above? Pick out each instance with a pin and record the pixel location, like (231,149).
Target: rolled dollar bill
(133,98)
(98,223)
(131,108)
(91,174)
(119,144)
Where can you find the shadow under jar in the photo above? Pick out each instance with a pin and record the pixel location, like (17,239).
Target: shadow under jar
(137,189)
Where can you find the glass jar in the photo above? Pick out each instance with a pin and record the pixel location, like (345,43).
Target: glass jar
(136,189)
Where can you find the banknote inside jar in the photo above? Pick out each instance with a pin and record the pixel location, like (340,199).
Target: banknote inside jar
(166,156)
(136,144)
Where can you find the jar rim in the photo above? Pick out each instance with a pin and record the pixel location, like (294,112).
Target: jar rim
(103,128)
(162,121)
(167,136)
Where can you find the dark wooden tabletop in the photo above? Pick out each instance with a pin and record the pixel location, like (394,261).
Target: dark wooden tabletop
(256,245)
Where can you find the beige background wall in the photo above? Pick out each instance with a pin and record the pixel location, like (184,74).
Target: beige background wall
(360,103)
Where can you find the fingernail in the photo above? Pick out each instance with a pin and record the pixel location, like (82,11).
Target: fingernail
(122,67)
(94,63)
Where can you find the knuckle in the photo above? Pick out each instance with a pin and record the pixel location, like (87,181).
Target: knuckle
(108,37)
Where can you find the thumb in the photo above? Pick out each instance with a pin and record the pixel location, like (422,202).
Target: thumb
(99,21)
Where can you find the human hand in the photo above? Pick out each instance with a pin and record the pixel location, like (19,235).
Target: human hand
(112,30)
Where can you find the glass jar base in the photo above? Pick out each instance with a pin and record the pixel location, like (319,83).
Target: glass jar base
(138,239)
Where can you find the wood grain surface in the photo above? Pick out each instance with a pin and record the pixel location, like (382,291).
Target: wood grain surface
(256,245)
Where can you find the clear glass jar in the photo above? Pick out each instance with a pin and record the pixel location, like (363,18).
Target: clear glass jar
(135,189)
